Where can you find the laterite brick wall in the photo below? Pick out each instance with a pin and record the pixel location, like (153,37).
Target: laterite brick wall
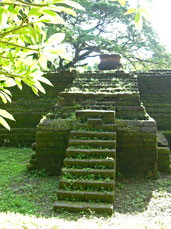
(28,109)
(155,93)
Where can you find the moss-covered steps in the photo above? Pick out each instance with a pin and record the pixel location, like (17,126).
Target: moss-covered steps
(164,154)
(108,82)
(164,159)
(88,176)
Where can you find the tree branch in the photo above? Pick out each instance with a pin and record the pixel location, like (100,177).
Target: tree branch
(14,30)
(9,58)
(9,74)
(18,46)
(23,4)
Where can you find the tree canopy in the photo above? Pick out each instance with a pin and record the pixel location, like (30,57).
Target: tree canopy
(108,27)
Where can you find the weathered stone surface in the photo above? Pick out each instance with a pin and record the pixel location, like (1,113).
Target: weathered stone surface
(110,173)
(108,135)
(87,184)
(136,147)
(86,196)
(104,127)
(164,150)
(93,143)
(155,94)
(149,129)
(93,153)
(90,163)
(149,123)
(106,115)
(83,207)
(94,122)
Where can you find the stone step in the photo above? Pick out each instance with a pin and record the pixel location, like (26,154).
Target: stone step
(105,197)
(87,153)
(92,163)
(105,96)
(78,207)
(96,107)
(97,85)
(106,115)
(103,127)
(103,74)
(87,103)
(68,101)
(70,106)
(91,81)
(164,159)
(102,90)
(86,184)
(163,150)
(104,82)
(106,86)
(94,122)
(88,173)
(90,134)
(95,79)
(93,143)
(97,101)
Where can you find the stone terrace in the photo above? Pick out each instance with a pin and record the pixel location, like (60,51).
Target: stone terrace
(81,135)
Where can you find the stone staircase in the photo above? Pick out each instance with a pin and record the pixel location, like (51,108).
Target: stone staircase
(105,82)
(88,177)
(102,91)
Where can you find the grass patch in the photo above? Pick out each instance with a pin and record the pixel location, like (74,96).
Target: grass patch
(26,199)
(22,191)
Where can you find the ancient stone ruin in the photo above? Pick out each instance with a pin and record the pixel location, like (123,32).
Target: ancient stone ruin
(97,125)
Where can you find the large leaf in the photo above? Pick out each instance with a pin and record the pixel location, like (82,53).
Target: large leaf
(39,87)
(4,123)
(35,12)
(43,61)
(7,115)
(9,82)
(44,80)
(137,17)
(138,24)
(52,19)
(56,38)
(122,2)
(70,3)
(4,99)
(33,34)
(130,11)
(19,84)
(49,12)
(64,9)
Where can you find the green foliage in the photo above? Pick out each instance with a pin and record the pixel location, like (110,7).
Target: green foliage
(108,27)
(138,11)
(24,48)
